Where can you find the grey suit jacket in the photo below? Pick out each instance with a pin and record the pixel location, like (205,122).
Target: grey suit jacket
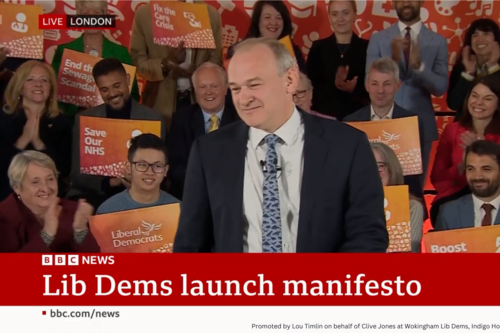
(417,88)
(458,214)
(82,183)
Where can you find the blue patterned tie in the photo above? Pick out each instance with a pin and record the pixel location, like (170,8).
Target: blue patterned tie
(271,221)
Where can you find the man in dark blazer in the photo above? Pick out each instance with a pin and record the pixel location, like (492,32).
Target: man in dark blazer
(281,180)
(113,83)
(382,84)
(188,124)
(479,209)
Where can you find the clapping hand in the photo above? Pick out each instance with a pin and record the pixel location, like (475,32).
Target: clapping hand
(469,60)
(341,81)
(51,218)
(82,216)
(414,54)
(468,138)
(396,48)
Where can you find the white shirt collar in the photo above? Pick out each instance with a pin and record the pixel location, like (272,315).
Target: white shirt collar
(478,203)
(416,27)
(374,116)
(288,132)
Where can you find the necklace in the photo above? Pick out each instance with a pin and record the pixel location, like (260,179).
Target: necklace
(345,50)
(93,51)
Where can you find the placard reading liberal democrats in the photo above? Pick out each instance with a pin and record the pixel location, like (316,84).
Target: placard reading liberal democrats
(176,21)
(75,81)
(401,135)
(397,215)
(20,32)
(137,231)
(104,143)
(469,240)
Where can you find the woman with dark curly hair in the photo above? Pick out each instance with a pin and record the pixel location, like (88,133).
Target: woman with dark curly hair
(480,57)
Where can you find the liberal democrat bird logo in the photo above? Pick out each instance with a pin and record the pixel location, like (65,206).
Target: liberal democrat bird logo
(150,227)
(390,137)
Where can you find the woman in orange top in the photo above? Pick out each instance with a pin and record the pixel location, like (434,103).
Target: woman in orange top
(480,121)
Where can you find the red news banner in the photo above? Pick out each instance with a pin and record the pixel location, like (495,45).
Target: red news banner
(249,279)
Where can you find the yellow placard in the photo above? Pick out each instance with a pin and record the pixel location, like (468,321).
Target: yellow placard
(397,216)
(19,30)
(104,143)
(467,240)
(176,21)
(143,230)
(287,41)
(75,81)
(402,135)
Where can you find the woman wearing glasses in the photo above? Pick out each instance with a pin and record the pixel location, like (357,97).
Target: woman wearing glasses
(391,174)
(147,167)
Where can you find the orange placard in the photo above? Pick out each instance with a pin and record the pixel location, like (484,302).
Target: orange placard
(468,240)
(75,81)
(397,216)
(19,30)
(176,21)
(104,143)
(401,135)
(137,231)
(287,41)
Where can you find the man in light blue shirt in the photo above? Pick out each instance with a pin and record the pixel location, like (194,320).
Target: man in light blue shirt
(147,167)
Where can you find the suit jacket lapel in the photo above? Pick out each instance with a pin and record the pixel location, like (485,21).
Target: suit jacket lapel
(424,39)
(315,154)
(227,115)
(233,154)
(198,123)
(466,212)
(497,219)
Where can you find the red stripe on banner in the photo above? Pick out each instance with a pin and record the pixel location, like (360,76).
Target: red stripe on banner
(382,279)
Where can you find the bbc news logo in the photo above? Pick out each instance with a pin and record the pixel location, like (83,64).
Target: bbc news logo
(76,22)
(75,260)
(60,260)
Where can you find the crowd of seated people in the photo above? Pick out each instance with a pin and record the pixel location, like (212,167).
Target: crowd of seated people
(203,108)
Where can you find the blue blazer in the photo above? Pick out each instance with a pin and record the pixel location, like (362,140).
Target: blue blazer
(364,114)
(417,89)
(458,214)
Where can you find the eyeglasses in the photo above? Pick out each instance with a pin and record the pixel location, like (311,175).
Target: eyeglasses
(143,167)
(300,94)
(381,166)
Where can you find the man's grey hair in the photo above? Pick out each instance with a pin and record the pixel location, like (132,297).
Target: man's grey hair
(305,79)
(283,57)
(386,66)
(219,69)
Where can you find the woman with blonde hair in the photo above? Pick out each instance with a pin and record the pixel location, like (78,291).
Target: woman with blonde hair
(30,120)
(391,174)
(92,42)
(34,219)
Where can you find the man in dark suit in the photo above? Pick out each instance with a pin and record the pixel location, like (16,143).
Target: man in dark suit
(479,209)
(188,124)
(282,180)
(113,83)
(382,84)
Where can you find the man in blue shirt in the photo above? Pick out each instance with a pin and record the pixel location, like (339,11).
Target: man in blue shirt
(147,166)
